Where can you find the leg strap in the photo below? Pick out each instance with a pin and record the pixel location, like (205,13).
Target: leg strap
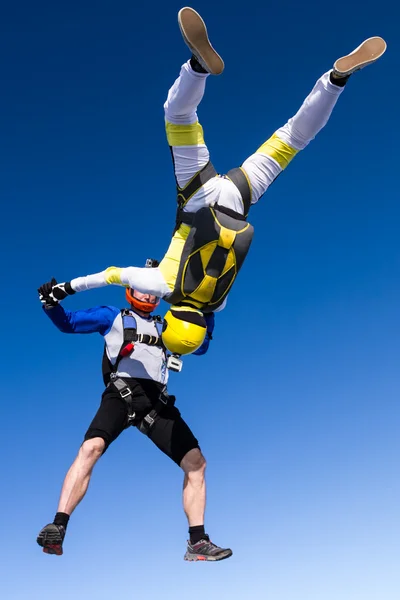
(147,423)
(126,394)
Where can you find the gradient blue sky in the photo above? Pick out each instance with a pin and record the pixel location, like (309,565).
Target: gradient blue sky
(296,404)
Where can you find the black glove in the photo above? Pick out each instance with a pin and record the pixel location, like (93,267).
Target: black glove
(51,293)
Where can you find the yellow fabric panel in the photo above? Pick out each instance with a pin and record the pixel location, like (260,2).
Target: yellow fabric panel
(278,150)
(113,275)
(230,261)
(205,291)
(226,238)
(184,135)
(206,252)
(169,266)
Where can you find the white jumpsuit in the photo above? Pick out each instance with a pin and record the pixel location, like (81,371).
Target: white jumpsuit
(190,155)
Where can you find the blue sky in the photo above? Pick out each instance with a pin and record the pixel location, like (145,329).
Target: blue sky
(296,403)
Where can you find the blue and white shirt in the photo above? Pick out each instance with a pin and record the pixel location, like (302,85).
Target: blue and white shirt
(145,362)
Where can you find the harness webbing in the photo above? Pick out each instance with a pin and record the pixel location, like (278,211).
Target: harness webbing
(185,193)
(238,177)
(131,336)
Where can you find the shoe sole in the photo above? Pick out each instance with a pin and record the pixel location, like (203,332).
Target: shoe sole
(366,53)
(203,558)
(53,549)
(50,541)
(194,32)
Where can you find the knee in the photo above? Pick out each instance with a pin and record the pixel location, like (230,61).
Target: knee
(194,464)
(91,450)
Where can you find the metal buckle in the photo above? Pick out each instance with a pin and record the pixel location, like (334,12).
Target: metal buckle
(125,393)
(149,420)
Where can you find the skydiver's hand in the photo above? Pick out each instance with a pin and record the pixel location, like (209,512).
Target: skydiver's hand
(45,295)
(51,293)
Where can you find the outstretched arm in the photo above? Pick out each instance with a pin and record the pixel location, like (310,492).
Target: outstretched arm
(92,320)
(144,280)
(99,319)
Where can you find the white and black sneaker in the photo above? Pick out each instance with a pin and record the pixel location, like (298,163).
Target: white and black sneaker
(367,53)
(206,550)
(51,539)
(194,33)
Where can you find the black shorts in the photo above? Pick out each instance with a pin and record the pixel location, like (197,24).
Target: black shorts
(169,433)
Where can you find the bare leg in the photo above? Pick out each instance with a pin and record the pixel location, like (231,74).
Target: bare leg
(194,487)
(77,479)
(200,547)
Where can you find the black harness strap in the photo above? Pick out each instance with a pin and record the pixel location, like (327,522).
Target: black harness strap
(130,337)
(185,193)
(238,177)
(230,212)
(148,421)
(126,394)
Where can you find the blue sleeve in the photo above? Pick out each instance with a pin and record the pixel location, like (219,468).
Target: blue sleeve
(209,317)
(92,320)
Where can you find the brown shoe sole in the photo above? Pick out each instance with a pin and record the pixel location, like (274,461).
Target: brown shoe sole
(194,31)
(367,53)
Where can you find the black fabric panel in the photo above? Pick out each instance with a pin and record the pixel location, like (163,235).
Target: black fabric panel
(217,262)
(189,317)
(228,220)
(242,245)
(230,212)
(194,274)
(222,287)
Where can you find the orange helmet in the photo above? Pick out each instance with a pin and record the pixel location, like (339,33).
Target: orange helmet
(146,307)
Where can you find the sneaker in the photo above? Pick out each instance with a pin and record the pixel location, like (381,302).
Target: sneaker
(206,550)
(194,32)
(51,539)
(366,53)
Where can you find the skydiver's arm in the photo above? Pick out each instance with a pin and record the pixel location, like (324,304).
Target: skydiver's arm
(209,317)
(143,280)
(93,320)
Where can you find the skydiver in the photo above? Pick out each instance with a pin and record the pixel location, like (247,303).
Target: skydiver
(135,373)
(211,236)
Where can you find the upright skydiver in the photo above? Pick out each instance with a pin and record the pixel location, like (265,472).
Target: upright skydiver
(135,374)
(212,236)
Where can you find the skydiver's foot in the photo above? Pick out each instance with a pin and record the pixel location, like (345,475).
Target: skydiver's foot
(366,54)
(206,550)
(194,32)
(51,539)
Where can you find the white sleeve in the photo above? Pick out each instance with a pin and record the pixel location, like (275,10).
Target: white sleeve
(143,280)
(90,282)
